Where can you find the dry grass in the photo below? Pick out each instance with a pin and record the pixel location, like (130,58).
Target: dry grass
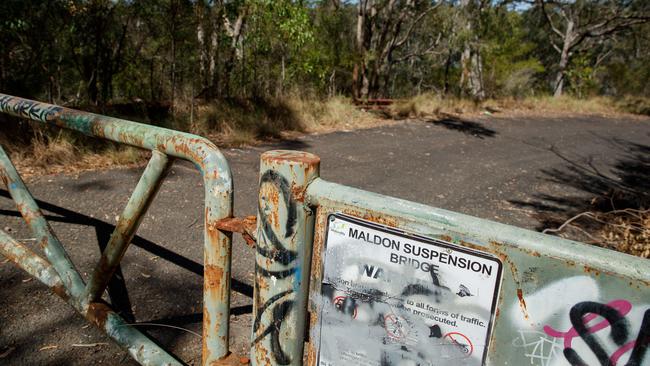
(435,105)
(247,122)
(562,105)
(626,230)
(569,105)
(228,123)
(636,105)
(426,105)
(334,114)
(62,152)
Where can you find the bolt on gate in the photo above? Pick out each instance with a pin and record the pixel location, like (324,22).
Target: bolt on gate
(348,277)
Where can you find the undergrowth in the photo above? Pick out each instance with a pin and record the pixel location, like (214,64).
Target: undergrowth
(434,105)
(625,229)
(239,122)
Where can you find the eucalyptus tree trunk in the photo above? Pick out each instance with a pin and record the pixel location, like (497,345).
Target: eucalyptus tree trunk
(565,53)
(471,78)
(236,34)
(360,81)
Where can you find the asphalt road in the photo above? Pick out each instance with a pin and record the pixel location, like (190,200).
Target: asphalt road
(510,170)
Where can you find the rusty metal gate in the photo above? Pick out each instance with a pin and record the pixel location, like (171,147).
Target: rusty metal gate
(58,272)
(349,277)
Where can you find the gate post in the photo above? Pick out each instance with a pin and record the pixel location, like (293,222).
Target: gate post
(282,262)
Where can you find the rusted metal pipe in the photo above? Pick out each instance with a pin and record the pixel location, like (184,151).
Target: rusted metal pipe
(28,261)
(246,226)
(139,346)
(217,182)
(283,257)
(127,225)
(33,216)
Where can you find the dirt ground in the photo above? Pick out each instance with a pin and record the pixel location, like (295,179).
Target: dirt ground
(503,169)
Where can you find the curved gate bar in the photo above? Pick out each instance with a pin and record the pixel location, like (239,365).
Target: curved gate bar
(218,185)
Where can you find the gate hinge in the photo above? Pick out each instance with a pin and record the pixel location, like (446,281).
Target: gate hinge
(246,226)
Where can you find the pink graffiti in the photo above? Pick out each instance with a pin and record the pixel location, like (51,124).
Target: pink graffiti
(622,306)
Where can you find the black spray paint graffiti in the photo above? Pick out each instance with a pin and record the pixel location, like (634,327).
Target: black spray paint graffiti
(614,317)
(28,109)
(270,246)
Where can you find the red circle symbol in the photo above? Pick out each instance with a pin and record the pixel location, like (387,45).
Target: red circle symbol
(339,302)
(461,341)
(395,326)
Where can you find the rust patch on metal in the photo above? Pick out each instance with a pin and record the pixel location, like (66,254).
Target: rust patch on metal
(298,193)
(98,313)
(262,283)
(496,249)
(312,352)
(206,328)
(530,252)
(261,355)
(60,291)
(237,224)
(446,238)
(381,219)
(522,303)
(513,268)
(373,216)
(245,226)
(250,240)
(17,259)
(535,253)
(213,277)
(466,244)
(290,156)
(212,232)
(317,249)
(187,147)
(231,359)
(272,198)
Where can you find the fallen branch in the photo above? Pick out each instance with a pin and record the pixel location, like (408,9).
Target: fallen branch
(89,344)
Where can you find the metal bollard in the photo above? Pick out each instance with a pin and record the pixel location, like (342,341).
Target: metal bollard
(285,232)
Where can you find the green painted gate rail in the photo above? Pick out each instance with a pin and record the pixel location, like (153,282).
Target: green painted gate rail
(58,272)
(553,301)
(558,302)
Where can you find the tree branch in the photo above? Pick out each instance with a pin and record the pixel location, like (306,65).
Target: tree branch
(414,23)
(549,20)
(417,53)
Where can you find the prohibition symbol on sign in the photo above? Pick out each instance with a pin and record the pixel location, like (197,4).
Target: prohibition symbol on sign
(395,326)
(461,341)
(342,303)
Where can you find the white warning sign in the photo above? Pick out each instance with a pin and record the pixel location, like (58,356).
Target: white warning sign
(391,298)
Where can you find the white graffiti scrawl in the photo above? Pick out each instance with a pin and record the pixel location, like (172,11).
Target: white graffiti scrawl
(540,349)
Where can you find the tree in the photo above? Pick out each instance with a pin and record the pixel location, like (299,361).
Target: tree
(581,23)
(97,38)
(510,67)
(32,48)
(382,27)
(471,78)
(101,51)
